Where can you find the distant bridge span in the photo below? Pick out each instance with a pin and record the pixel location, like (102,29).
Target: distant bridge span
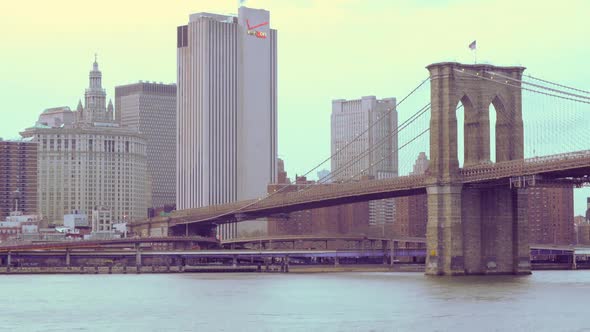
(76,244)
(327,237)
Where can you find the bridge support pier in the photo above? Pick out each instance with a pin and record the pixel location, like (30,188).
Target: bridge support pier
(8,261)
(384,249)
(393,245)
(444,235)
(68,265)
(235,261)
(138,257)
(574,263)
(336,261)
(477,231)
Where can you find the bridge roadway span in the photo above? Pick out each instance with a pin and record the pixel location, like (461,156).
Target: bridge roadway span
(111,242)
(347,253)
(296,238)
(550,167)
(351,253)
(91,244)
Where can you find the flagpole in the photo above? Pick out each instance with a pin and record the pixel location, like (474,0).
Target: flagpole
(473,47)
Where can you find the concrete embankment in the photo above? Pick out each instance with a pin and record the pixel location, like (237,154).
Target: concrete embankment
(213,269)
(356,268)
(243,269)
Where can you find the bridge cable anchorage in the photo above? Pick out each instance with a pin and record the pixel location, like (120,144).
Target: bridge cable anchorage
(383,140)
(523,88)
(256,201)
(541,86)
(557,84)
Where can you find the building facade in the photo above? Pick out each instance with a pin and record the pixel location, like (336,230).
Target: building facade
(227,110)
(582,224)
(374,154)
(551,215)
(18,177)
(323,176)
(151,108)
(90,161)
(102,220)
(57,116)
(411,212)
(76,220)
(347,219)
(18,226)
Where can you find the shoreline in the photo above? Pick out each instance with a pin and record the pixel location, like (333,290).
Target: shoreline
(298,269)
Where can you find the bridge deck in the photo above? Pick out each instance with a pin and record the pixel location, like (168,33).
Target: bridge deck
(98,243)
(570,164)
(287,238)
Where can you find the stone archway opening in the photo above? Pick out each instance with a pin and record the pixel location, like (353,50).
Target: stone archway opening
(493,121)
(467,127)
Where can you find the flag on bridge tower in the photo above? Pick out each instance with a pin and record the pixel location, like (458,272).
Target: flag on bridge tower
(473,47)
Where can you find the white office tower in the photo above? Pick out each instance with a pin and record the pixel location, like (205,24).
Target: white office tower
(352,161)
(227,112)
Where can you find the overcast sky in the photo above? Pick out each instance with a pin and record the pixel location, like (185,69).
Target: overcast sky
(327,50)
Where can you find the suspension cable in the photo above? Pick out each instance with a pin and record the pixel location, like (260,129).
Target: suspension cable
(384,139)
(404,145)
(540,86)
(268,195)
(523,88)
(366,130)
(557,84)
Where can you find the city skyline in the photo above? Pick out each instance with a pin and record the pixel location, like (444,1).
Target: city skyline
(390,71)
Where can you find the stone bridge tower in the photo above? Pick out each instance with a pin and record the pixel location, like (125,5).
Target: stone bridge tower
(474,229)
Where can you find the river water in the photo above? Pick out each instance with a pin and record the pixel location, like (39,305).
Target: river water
(545,301)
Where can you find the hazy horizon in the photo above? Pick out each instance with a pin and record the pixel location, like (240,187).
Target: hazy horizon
(326,50)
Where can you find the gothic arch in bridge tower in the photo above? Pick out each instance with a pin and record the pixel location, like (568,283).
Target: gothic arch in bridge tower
(474,230)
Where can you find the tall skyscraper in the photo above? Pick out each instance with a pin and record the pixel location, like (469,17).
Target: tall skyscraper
(227,110)
(151,108)
(18,177)
(87,160)
(350,118)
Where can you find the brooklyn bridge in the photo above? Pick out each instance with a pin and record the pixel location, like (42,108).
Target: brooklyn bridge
(477,220)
